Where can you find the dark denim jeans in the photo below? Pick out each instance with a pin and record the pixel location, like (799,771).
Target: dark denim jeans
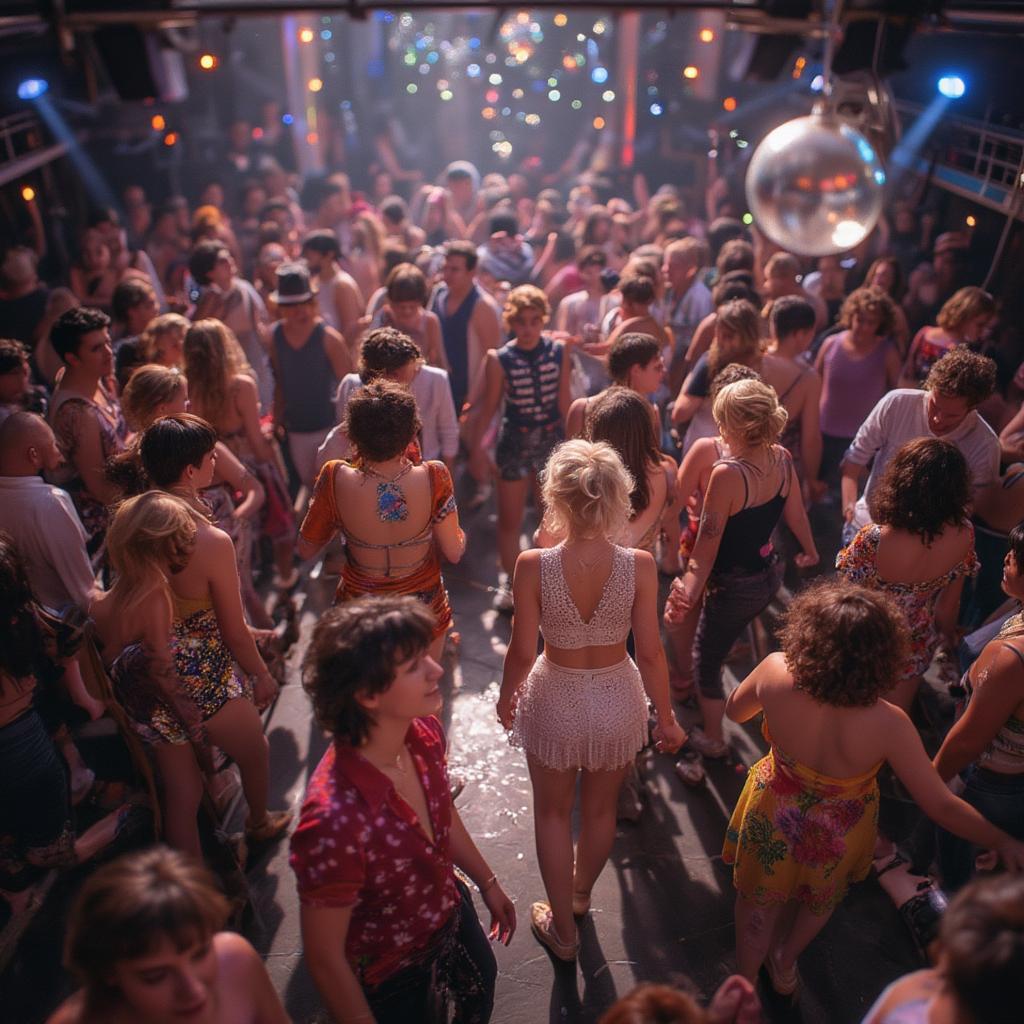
(408,996)
(1000,798)
(732,600)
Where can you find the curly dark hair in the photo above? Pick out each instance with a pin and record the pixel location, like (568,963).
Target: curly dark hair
(844,644)
(381,420)
(982,941)
(629,350)
(961,373)
(72,326)
(13,355)
(355,649)
(869,300)
(925,488)
(385,350)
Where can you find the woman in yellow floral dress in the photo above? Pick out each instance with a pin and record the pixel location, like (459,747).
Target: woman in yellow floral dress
(804,827)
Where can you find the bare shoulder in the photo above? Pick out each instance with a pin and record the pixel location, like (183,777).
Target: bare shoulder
(529,560)
(236,956)
(646,568)
(333,334)
(71,1011)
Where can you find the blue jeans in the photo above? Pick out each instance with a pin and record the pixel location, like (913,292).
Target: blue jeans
(1000,798)
(410,995)
(732,600)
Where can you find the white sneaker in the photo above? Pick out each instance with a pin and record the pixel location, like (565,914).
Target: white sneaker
(503,596)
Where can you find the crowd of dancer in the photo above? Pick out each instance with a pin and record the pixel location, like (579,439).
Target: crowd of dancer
(296,378)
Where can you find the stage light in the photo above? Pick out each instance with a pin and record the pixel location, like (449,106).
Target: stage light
(599,28)
(446,94)
(569,62)
(312,138)
(287,119)
(952,87)
(411,88)
(171,139)
(554,95)
(817,83)
(598,123)
(599,75)
(729,103)
(315,84)
(326,35)
(657,109)
(157,122)
(748,219)
(691,72)
(608,96)
(561,20)
(208,62)
(28,193)
(32,88)
(971,221)
(257,133)
(488,113)
(305,35)
(706,35)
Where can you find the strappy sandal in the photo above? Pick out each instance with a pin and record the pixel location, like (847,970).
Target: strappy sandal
(542,926)
(784,983)
(274,825)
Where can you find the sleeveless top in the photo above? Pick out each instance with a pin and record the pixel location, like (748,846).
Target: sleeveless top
(306,379)
(455,332)
(790,438)
(850,388)
(532,382)
(1005,751)
(561,624)
(746,544)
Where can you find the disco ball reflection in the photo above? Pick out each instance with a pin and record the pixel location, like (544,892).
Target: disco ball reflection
(815,185)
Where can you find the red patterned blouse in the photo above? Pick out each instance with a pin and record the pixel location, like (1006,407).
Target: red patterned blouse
(359,845)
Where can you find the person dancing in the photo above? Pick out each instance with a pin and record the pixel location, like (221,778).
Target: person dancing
(581,706)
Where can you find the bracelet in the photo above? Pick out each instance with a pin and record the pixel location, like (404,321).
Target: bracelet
(484,886)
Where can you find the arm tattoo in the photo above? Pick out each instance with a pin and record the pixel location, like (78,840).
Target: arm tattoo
(711,524)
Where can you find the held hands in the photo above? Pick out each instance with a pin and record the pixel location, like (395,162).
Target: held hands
(1010,852)
(503,913)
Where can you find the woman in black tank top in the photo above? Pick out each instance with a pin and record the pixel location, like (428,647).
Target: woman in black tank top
(734,572)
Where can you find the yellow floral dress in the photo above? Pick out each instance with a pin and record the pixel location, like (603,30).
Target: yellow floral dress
(797,834)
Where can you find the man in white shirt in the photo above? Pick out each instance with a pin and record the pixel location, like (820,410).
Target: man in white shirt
(388,354)
(40,518)
(957,384)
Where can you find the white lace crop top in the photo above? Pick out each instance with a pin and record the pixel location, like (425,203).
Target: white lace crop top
(560,621)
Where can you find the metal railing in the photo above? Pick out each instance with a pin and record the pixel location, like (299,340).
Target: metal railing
(971,158)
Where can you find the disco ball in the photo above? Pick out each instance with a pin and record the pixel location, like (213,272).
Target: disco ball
(814,186)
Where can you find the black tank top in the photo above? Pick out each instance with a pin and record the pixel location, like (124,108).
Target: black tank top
(746,544)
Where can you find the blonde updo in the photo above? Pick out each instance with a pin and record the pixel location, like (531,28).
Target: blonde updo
(587,490)
(749,412)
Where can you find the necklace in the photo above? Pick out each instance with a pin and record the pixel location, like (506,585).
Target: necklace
(194,500)
(391,504)
(585,564)
(397,766)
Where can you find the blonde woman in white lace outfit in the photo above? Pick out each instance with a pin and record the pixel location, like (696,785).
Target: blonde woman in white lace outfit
(582,705)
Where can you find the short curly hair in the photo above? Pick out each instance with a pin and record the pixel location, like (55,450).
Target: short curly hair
(72,326)
(385,350)
(526,296)
(872,301)
(628,350)
(381,420)
(925,487)
(843,643)
(354,650)
(961,373)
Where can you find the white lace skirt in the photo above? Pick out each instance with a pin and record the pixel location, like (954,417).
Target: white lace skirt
(592,719)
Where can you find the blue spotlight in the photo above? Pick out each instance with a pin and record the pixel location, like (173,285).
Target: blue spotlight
(952,87)
(32,88)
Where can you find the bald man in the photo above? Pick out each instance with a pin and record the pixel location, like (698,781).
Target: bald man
(40,518)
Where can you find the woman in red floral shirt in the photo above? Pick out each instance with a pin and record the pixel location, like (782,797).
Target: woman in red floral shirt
(390,933)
